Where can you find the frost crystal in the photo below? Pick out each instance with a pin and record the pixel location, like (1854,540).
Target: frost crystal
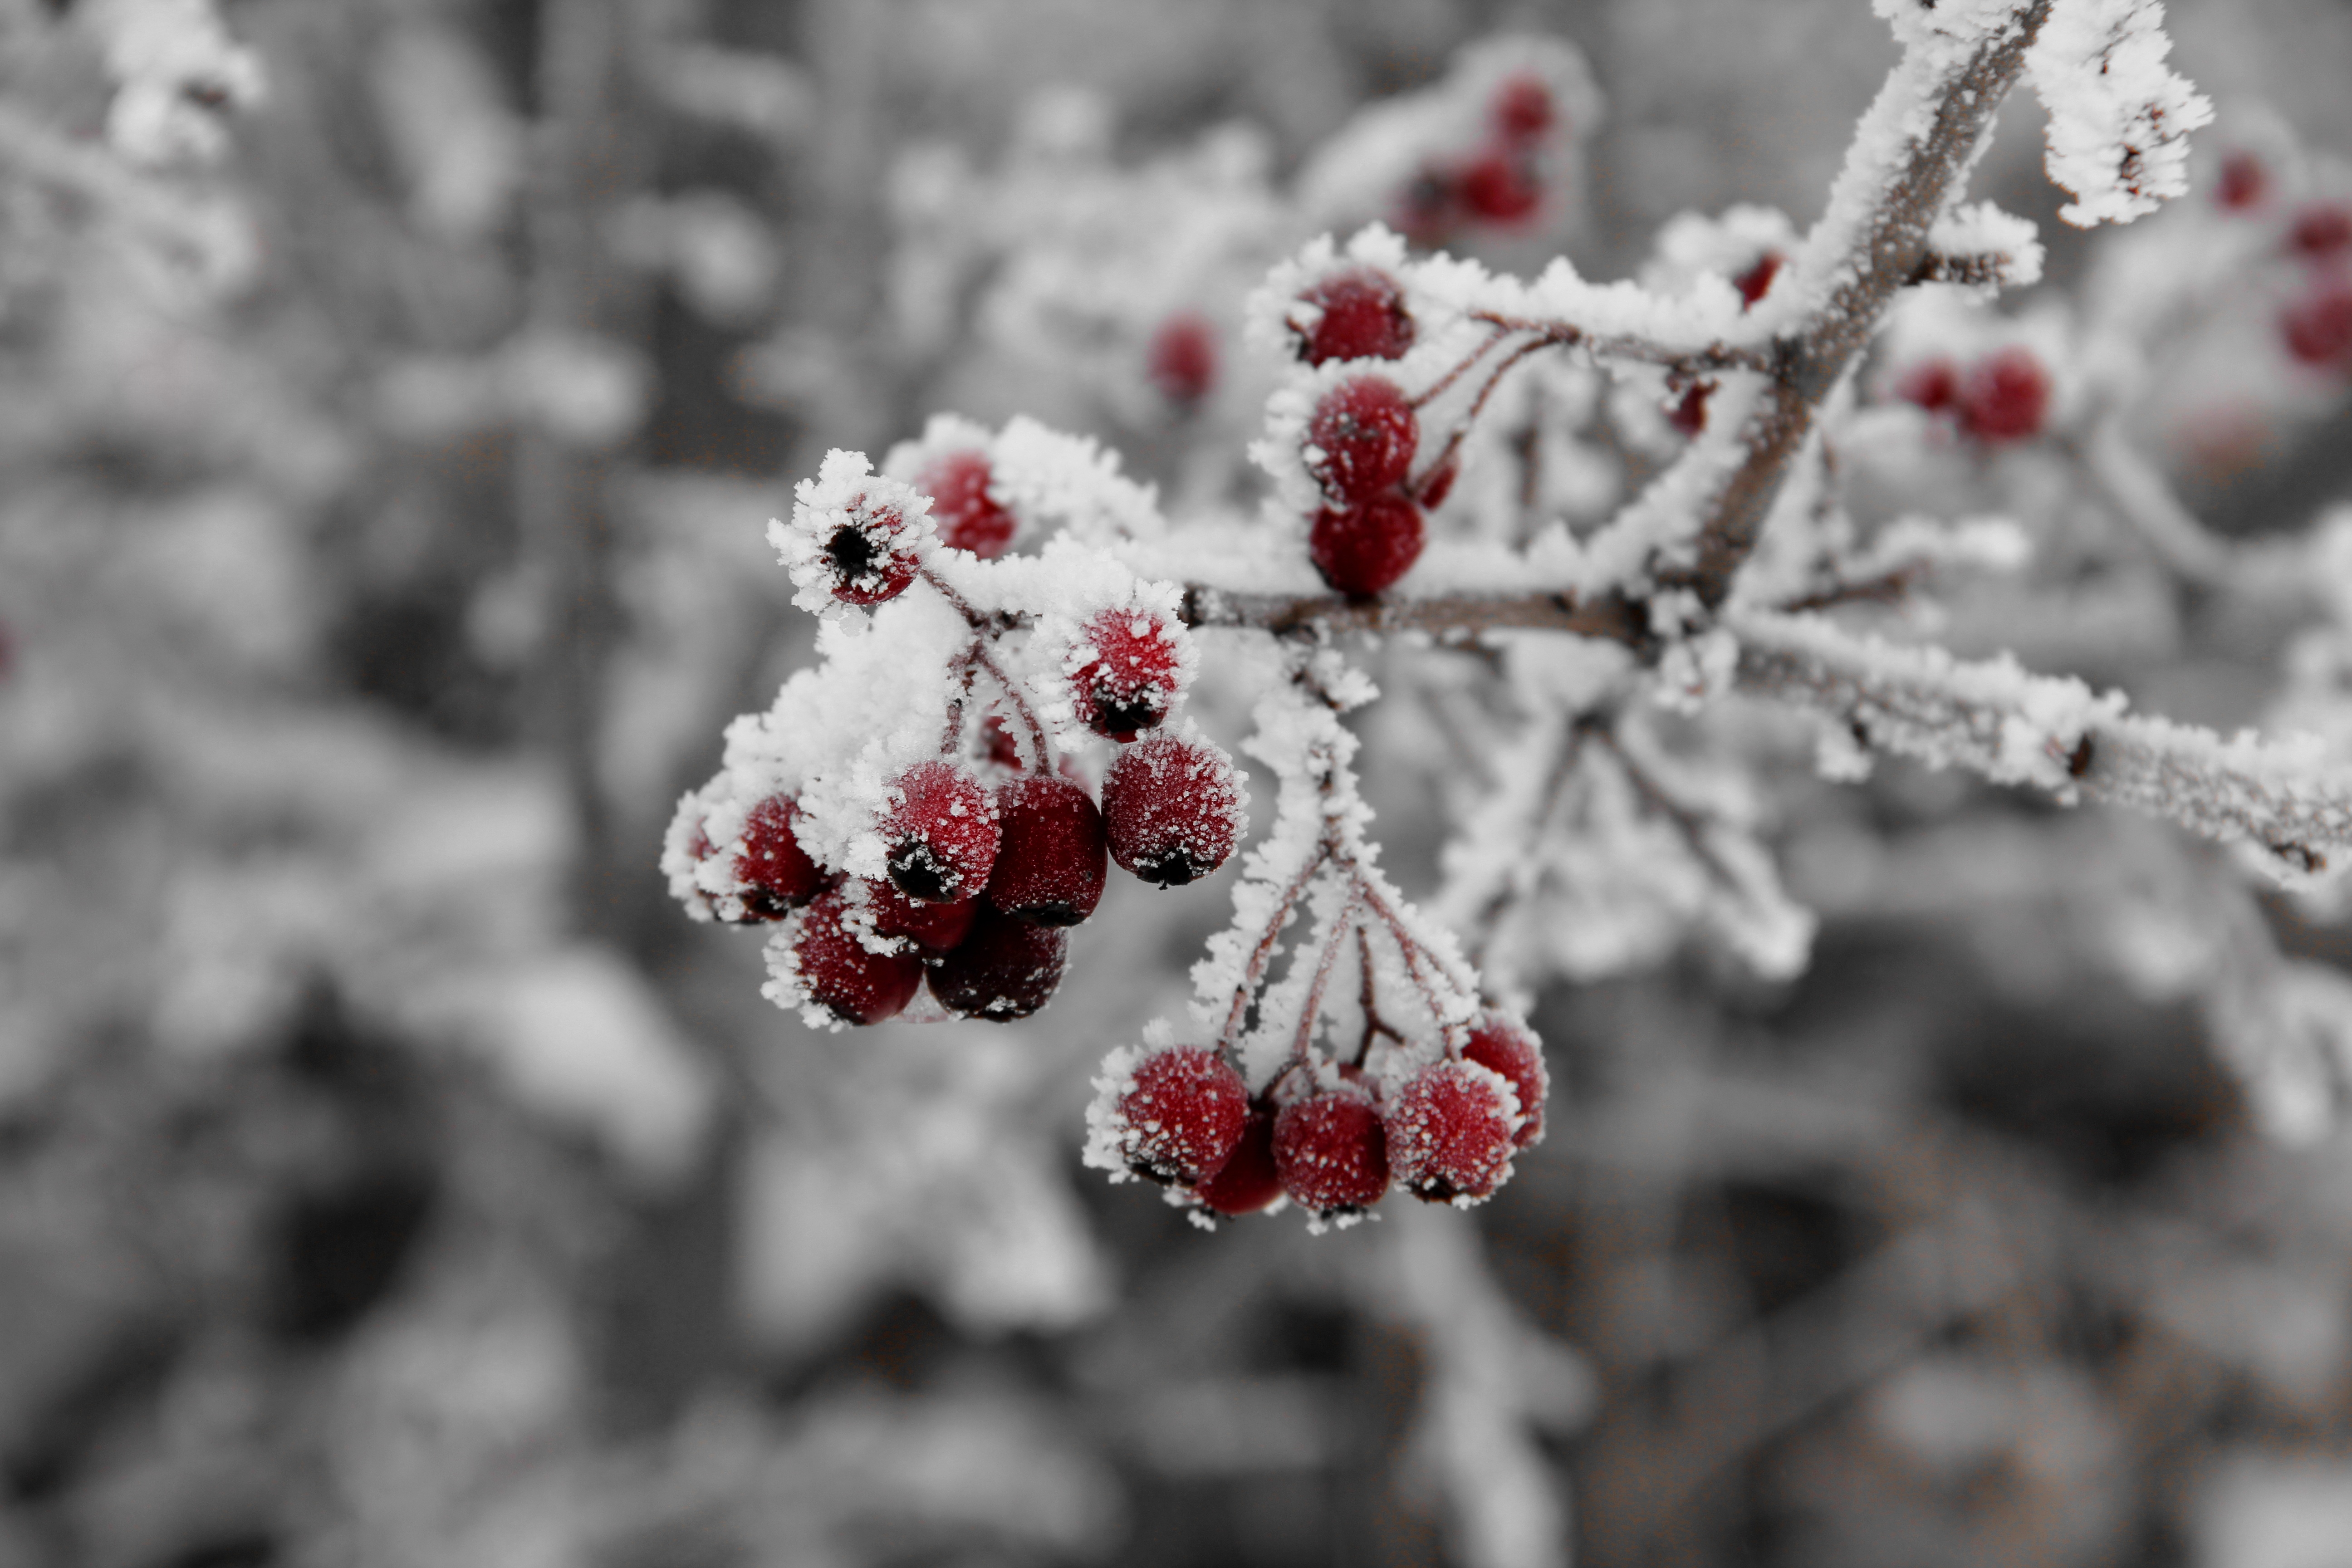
(2119,118)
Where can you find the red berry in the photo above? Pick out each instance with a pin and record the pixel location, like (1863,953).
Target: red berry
(966,517)
(1247,1180)
(1439,485)
(1688,415)
(1501,187)
(1128,683)
(1050,865)
(1172,809)
(1449,1132)
(934,928)
(778,872)
(1360,314)
(1522,107)
(942,833)
(1182,359)
(1753,283)
(1180,1115)
(2322,228)
(2005,396)
(2318,327)
(997,745)
(1361,439)
(1331,1153)
(1005,969)
(1362,550)
(833,969)
(1509,1047)
(869,556)
(1934,384)
(2243,184)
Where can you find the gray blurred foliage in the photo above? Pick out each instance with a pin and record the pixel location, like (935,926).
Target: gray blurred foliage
(390,1176)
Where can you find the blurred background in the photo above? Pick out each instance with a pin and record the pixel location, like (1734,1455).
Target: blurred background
(393,394)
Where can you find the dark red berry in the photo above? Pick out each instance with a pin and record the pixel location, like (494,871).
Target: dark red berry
(934,928)
(777,872)
(1051,864)
(1362,550)
(1688,413)
(2322,228)
(1180,1115)
(1501,187)
(2318,327)
(2243,184)
(1172,809)
(1361,439)
(1757,280)
(1439,485)
(1359,314)
(1522,107)
(1247,1180)
(1331,1153)
(1509,1047)
(1133,661)
(1182,359)
(1449,1132)
(942,833)
(1934,384)
(966,517)
(2005,396)
(1005,969)
(870,556)
(833,969)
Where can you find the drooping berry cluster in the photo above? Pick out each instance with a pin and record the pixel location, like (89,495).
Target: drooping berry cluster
(1500,179)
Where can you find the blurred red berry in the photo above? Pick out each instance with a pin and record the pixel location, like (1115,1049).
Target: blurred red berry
(1003,969)
(1934,384)
(778,872)
(2243,181)
(941,832)
(1172,809)
(1331,1153)
(1361,439)
(1754,283)
(1501,187)
(1181,1115)
(966,517)
(1362,550)
(2318,327)
(1449,1132)
(832,968)
(1128,682)
(1439,485)
(2005,396)
(1182,359)
(1360,314)
(1522,107)
(1509,1047)
(1688,413)
(1428,206)
(2322,228)
(1051,864)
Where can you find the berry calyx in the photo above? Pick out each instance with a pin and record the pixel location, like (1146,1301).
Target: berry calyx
(1129,669)
(778,873)
(2317,327)
(1449,1132)
(869,557)
(942,833)
(1502,1044)
(1757,281)
(961,509)
(1248,1181)
(1005,968)
(832,970)
(1362,550)
(2322,228)
(1362,436)
(1360,314)
(1522,107)
(2005,396)
(2243,184)
(1180,1115)
(1172,809)
(1051,863)
(935,929)
(1182,359)
(1501,187)
(1331,1153)
(1934,384)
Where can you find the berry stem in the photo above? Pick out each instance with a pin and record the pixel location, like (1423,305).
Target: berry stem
(1478,406)
(1262,955)
(1685,363)
(1342,923)
(1040,753)
(1437,388)
(1374,1025)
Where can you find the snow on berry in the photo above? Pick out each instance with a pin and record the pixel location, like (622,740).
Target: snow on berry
(1501,1042)
(1248,1181)
(1003,969)
(941,831)
(824,963)
(1362,550)
(1361,439)
(2005,396)
(855,537)
(1127,667)
(1449,1129)
(1358,313)
(1173,808)
(966,516)
(1051,864)
(1331,1153)
(776,872)
(1172,1115)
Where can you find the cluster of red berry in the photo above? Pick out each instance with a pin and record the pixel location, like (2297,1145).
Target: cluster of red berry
(2001,397)
(1332,1141)
(1499,181)
(2317,323)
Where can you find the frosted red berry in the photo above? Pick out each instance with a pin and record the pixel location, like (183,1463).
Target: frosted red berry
(1362,550)
(1503,1043)
(1180,1115)
(962,510)
(1182,359)
(1757,280)
(1248,1181)
(1449,1132)
(1051,862)
(2005,396)
(2322,228)
(1501,187)
(1131,668)
(1331,1153)
(777,873)
(871,556)
(941,833)
(2245,182)
(935,929)
(2317,327)
(1003,969)
(1522,107)
(1172,809)
(1934,384)
(1359,314)
(831,968)
(1361,439)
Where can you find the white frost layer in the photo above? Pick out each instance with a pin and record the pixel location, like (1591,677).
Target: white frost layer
(2119,118)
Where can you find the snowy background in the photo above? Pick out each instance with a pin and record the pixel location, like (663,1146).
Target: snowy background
(393,397)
